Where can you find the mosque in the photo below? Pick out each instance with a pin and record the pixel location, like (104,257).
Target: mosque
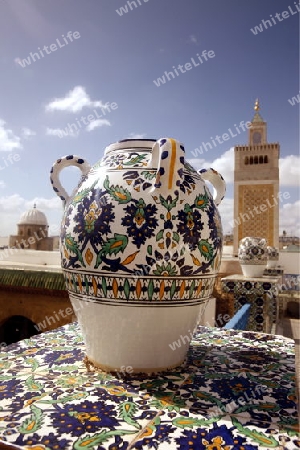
(32,232)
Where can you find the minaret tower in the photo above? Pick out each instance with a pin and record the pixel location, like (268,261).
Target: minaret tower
(256,185)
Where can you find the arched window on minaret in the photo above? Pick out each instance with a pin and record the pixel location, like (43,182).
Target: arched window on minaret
(261,159)
(251,159)
(255,159)
(266,159)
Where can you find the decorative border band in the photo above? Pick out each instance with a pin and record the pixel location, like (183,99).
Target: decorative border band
(142,289)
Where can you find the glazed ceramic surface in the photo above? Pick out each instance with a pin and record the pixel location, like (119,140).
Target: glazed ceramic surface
(142,230)
(252,254)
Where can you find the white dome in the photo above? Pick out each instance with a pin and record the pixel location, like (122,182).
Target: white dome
(33,217)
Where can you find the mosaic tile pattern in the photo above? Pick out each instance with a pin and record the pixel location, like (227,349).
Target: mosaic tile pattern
(261,293)
(235,390)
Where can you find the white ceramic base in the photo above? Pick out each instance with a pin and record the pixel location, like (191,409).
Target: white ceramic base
(272,264)
(136,339)
(253,270)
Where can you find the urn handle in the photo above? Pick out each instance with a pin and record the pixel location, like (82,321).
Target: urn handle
(65,161)
(218,182)
(168,157)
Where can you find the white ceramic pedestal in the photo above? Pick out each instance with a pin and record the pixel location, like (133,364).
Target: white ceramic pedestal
(272,263)
(253,270)
(136,338)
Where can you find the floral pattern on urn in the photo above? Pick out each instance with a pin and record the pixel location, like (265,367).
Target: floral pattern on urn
(252,254)
(141,230)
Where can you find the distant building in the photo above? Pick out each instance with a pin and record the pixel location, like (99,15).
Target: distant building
(32,232)
(256,186)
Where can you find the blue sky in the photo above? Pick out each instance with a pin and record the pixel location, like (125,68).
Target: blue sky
(115,59)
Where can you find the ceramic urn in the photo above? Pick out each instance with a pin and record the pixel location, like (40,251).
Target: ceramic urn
(141,245)
(252,254)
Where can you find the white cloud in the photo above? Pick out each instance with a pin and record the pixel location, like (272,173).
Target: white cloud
(136,136)
(74,101)
(289,218)
(223,164)
(289,170)
(44,203)
(97,123)
(11,202)
(13,206)
(192,39)
(226,211)
(15,201)
(18,62)
(2,184)
(54,132)
(61,133)
(8,140)
(27,132)
(289,167)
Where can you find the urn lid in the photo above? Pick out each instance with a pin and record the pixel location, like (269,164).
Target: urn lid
(130,143)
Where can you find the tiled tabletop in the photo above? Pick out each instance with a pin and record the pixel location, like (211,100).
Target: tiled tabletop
(236,390)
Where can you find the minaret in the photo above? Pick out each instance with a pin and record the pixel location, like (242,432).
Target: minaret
(256,185)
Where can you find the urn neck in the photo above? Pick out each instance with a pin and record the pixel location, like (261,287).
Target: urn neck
(128,144)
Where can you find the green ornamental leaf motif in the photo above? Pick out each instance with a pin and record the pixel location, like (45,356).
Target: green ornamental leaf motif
(89,442)
(150,289)
(173,289)
(33,422)
(148,175)
(266,407)
(168,205)
(5,378)
(201,201)
(33,385)
(190,422)
(80,195)
(208,397)
(86,283)
(160,235)
(206,249)
(112,246)
(149,249)
(67,398)
(127,411)
(126,288)
(135,160)
(118,193)
(176,237)
(167,400)
(5,364)
(192,288)
(104,286)
(72,246)
(261,438)
(33,363)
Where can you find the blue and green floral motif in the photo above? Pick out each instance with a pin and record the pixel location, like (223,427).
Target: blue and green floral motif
(165,270)
(139,181)
(181,408)
(190,226)
(118,193)
(124,160)
(201,201)
(121,221)
(140,221)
